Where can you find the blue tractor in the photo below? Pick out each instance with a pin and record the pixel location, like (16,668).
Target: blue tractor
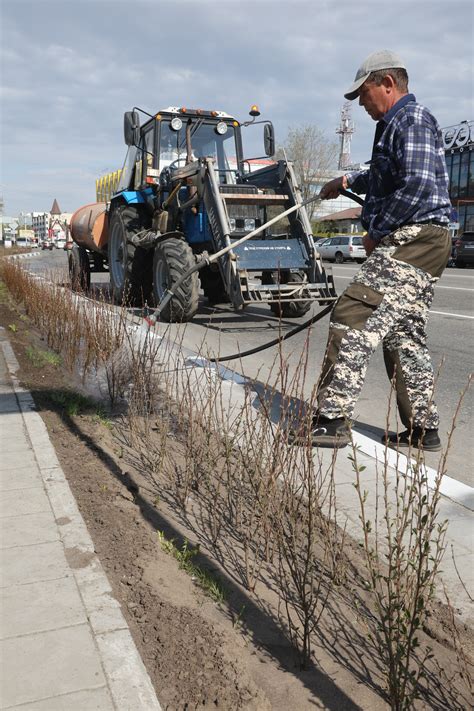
(185,190)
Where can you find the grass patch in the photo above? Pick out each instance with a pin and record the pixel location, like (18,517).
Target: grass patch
(41,358)
(73,403)
(185,555)
(101,418)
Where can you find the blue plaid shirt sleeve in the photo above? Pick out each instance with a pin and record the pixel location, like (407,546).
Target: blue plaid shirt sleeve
(358,181)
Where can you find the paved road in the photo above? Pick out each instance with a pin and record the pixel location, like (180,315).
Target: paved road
(450,334)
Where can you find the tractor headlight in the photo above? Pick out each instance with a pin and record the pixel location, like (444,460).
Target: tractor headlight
(176,123)
(221,128)
(232,224)
(249,225)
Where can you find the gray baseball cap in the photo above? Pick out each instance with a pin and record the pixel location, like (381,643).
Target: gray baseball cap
(383,59)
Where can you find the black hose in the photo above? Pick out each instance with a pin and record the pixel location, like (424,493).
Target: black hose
(275,341)
(352,196)
(280,339)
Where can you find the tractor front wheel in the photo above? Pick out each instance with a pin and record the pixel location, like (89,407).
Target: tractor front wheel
(213,286)
(172,259)
(286,308)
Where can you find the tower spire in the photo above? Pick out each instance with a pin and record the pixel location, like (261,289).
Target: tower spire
(345,130)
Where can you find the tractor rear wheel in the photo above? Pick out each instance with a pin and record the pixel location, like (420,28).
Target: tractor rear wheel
(130,267)
(172,259)
(79,269)
(286,308)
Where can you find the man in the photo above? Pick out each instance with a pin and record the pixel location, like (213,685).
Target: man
(406,214)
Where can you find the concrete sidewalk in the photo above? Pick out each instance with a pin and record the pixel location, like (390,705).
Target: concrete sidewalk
(64,643)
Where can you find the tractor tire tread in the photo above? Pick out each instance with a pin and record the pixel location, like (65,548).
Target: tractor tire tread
(178,258)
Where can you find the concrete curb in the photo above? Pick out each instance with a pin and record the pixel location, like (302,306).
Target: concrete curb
(127,679)
(24,256)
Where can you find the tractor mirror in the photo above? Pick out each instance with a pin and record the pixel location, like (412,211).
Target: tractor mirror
(269,139)
(131,128)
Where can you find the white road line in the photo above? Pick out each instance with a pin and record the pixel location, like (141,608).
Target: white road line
(438,286)
(452,488)
(444,313)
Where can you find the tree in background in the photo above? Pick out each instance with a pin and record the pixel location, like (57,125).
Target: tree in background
(314,157)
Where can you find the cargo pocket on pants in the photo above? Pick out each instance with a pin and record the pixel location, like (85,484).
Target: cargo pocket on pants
(356,305)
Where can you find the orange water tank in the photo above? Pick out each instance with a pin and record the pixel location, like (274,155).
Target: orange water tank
(89,226)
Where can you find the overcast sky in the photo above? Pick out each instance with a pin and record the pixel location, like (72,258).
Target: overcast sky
(70,68)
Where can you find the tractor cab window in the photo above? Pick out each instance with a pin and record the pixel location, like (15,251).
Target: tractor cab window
(206,142)
(148,146)
(171,150)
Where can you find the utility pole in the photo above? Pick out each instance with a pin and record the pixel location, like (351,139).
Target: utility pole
(345,130)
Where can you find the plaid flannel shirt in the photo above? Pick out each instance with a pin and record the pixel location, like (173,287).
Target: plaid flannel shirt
(407,182)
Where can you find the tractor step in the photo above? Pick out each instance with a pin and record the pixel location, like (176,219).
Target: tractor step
(274,293)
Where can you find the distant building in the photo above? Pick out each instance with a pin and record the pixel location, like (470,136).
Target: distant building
(8,227)
(459,151)
(345,221)
(328,208)
(40,223)
(51,225)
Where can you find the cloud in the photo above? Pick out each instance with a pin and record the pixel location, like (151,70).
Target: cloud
(70,69)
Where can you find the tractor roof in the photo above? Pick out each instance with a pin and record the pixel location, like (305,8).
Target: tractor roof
(181,110)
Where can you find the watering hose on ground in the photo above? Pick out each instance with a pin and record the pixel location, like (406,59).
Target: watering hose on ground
(209,259)
(276,341)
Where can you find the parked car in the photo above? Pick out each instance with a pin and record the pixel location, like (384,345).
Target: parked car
(319,240)
(465,249)
(341,247)
(60,244)
(47,245)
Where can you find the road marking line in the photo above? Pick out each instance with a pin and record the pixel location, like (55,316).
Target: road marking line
(444,313)
(452,488)
(438,286)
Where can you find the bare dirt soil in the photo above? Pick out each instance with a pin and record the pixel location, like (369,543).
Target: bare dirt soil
(201,654)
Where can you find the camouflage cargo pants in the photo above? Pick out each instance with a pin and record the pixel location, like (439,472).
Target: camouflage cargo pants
(387,301)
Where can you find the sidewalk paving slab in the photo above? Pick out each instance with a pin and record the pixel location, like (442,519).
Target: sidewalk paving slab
(64,642)
(28,530)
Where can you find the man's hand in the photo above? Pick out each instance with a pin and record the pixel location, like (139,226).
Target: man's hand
(368,244)
(331,190)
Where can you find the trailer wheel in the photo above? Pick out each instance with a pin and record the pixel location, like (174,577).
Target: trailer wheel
(172,259)
(287,308)
(79,268)
(130,267)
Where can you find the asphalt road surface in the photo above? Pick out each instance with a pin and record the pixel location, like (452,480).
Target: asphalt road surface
(221,331)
